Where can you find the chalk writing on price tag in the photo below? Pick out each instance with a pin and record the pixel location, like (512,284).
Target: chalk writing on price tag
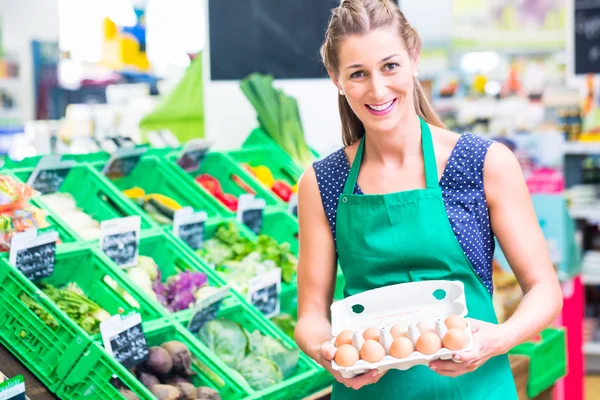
(120,240)
(207,309)
(50,174)
(124,339)
(34,255)
(189,226)
(263,292)
(250,211)
(293,204)
(123,161)
(193,154)
(13,389)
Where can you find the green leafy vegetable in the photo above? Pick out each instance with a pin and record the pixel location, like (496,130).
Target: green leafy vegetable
(39,311)
(226,339)
(260,372)
(273,349)
(286,323)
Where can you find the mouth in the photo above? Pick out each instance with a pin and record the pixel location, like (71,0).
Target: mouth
(381,109)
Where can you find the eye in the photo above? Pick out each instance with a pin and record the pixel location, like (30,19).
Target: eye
(391,66)
(357,75)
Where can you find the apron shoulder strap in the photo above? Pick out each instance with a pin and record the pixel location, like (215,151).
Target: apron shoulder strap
(353,175)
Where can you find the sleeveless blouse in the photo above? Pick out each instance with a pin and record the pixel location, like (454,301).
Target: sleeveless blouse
(462,191)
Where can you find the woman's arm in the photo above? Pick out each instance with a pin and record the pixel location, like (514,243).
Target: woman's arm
(515,224)
(317,269)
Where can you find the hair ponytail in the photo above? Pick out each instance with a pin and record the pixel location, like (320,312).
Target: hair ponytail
(423,108)
(352,127)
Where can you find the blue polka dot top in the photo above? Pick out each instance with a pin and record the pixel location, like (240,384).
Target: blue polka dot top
(462,191)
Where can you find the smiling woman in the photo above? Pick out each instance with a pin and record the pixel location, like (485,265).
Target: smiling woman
(402,185)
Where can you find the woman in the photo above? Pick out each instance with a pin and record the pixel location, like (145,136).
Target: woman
(379,208)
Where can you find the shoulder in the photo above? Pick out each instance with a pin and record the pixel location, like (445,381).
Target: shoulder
(501,164)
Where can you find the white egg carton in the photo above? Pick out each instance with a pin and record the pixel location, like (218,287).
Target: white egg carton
(407,303)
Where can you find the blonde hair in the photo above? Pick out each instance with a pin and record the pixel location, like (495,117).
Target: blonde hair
(359,17)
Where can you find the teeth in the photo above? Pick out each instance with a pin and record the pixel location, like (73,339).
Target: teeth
(381,107)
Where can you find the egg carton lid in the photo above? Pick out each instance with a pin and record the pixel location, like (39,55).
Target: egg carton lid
(383,307)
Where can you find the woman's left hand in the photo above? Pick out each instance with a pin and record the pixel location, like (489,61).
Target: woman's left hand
(489,340)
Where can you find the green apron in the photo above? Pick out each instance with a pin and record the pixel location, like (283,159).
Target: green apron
(405,237)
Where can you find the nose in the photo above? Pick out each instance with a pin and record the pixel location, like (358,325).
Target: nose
(378,87)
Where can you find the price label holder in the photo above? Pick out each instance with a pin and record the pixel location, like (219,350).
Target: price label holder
(33,255)
(13,389)
(189,226)
(263,292)
(250,211)
(124,339)
(207,309)
(120,240)
(50,174)
(123,161)
(293,204)
(193,153)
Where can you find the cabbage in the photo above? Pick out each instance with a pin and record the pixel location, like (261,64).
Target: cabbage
(226,339)
(273,349)
(260,372)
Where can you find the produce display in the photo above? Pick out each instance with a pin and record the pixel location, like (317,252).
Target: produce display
(278,116)
(402,341)
(213,186)
(286,323)
(168,374)
(261,360)
(16,213)
(65,206)
(71,299)
(281,188)
(238,259)
(161,208)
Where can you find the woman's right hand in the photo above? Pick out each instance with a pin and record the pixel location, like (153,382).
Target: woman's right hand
(327,353)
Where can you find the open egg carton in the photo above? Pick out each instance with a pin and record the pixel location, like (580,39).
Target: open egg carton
(416,314)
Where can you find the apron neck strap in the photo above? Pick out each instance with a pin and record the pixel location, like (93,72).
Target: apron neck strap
(431,174)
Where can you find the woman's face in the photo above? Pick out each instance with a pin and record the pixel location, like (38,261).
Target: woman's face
(376,76)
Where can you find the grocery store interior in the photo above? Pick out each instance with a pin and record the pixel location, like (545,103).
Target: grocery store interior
(162,141)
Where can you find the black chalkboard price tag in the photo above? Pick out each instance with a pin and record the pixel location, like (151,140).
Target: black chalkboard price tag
(120,240)
(250,211)
(263,292)
(124,339)
(123,161)
(206,309)
(13,389)
(33,255)
(587,37)
(189,226)
(193,154)
(293,204)
(50,174)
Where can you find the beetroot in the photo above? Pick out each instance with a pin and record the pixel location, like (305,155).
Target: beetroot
(159,361)
(181,356)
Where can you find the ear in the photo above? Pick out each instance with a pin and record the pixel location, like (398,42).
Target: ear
(415,60)
(334,78)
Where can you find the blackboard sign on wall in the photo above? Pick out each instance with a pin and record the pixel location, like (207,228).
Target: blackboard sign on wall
(278,37)
(587,37)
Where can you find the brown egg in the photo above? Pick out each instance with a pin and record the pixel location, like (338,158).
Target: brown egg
(346,355)
(426,325)
(428,343)
(399,330)
(372,351)
(455,339)
(345,337)
(455,321)
(402,347)
(371,334)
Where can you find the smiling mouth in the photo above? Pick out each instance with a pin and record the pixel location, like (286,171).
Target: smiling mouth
(379,108)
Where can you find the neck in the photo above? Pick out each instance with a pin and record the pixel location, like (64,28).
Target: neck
(394,147)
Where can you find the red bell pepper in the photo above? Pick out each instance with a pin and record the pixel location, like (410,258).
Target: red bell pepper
(283,190)
(229,200)
(210,183)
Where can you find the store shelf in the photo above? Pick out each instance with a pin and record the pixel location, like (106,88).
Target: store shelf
(591,348)
(582,148)
(590,214)
(591,279)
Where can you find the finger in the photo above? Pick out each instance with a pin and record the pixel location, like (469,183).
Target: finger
(362,380)
(475,324)
(328,351)
(448,366)
(378,377)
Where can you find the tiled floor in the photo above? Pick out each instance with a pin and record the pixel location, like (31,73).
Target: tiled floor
(592,387)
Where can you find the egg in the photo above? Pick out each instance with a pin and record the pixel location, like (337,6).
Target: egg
(371,334)
(426,325)
(399,329)
(402,347)
(346,355)
(372,351)
(455,339)
(455,321)
(428,343)
(345,337)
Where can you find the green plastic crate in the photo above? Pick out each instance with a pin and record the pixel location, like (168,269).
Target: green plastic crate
(258,137)
(296,386)
(156,176)
(94,195)
(224,169)
(171,258)
(31,162)
(92,375)
(548,360)
(48,353)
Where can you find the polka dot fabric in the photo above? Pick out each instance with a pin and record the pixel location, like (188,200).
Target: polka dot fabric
(462,191)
